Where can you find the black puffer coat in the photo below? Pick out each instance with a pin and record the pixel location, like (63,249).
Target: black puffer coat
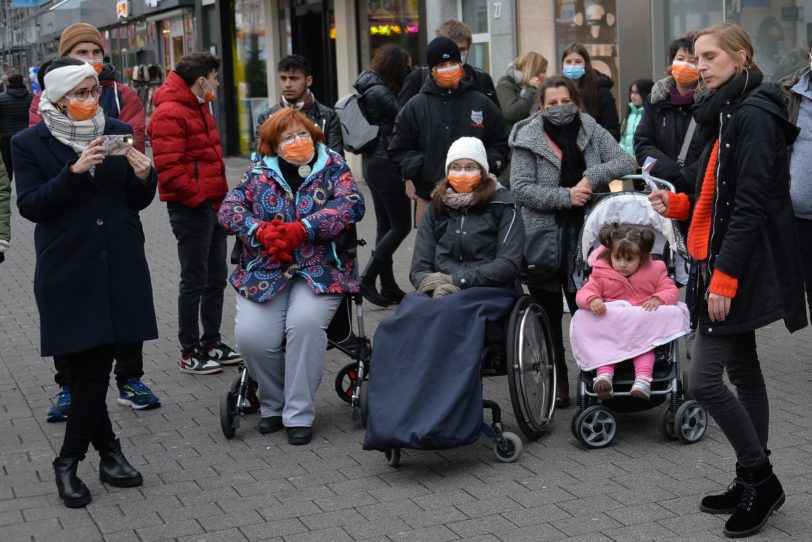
(660,135)
(380,106)
(753,234)
(14,104)
(427,126)
(477,247)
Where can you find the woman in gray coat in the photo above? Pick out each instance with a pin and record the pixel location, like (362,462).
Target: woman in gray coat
(560,156)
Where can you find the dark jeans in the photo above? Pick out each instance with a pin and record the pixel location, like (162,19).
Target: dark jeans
(553,307)
(202,255)
(5,151)
(804,228)
(744,418)
(88,421)
(129,364)
(393,210)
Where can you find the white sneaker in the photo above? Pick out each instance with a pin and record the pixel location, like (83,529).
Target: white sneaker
(641,389)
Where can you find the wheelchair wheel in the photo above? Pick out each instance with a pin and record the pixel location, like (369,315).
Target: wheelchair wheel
(393,457)
(364,404)
(596,426)
(507,447)
(228,413)
(690,422)
(345,382)
(531,368)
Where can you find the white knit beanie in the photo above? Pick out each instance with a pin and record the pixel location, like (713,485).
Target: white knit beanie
(60,81)
(470,148)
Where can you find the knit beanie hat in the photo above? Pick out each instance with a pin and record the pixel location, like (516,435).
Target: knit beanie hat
(470,148)
(79,33)
(442,49)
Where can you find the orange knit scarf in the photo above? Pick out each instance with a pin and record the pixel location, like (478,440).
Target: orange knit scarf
(699,233)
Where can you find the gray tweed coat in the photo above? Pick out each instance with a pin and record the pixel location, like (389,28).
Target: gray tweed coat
(535,169)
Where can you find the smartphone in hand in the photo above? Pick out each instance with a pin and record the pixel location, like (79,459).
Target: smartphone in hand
(117,144)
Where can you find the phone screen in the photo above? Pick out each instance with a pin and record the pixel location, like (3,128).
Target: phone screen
(117,144)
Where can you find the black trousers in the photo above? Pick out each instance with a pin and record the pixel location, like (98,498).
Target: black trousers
(804,227)
(393,210)
(88,420)
(129,364)
(553,307)
(203,269)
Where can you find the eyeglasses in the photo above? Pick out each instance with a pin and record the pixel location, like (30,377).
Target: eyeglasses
(471,168)
(84,94)
(301,136)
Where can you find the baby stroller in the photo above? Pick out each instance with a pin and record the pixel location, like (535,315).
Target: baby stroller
(528,362)
(594,422)
(240,399)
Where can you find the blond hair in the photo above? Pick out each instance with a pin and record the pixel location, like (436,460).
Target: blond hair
(530,64)
(731,38)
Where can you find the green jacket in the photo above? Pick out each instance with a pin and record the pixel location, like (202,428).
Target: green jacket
(5,204)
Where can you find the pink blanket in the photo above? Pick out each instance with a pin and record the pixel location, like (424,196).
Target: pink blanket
(623,332)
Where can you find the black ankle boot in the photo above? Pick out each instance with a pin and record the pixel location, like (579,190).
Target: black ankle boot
(71,489)
(114,469)
(368,290)
(724,503)
(761,495)
(389,287)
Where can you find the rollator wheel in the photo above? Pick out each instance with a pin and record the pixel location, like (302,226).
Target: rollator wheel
(252,401)
(665,421)
(596,426)
(228,411)
(508,447)
(345,382)
(690,422)
(393,456)
(363,403)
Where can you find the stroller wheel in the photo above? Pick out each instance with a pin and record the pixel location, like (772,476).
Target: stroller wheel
(596,426)
(507,447)
(665,422)
(345,382)
(573,426)
(393,456)
(690,422)
(228,413)
(364,404)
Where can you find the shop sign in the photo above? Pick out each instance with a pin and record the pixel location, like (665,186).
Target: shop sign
(27,3)
(122,9)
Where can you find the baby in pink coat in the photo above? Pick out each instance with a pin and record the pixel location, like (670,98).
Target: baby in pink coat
(624,271)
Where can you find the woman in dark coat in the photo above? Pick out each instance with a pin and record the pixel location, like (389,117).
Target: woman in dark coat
(379,86)
(742,235)
(594,88)
(91,280)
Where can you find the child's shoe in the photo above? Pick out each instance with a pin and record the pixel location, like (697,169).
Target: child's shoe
(641,389)
(602,384)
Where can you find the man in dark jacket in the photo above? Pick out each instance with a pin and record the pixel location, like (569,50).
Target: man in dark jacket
(447,108)
(192,180)
(459,33)
(14,103)
(296,78)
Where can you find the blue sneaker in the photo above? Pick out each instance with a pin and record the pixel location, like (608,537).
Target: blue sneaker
(137,395)
(59,412)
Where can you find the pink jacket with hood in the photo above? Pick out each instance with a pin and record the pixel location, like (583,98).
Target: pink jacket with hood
(650,280)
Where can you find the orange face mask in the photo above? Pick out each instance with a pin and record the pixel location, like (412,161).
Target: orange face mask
(82,111)
(684,73)
(462,182)
(298,152)
(449,77)
(99,67)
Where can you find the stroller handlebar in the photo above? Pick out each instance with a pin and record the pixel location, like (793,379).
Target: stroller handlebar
(662,183)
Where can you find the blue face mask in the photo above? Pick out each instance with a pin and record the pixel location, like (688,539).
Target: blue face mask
(574,72)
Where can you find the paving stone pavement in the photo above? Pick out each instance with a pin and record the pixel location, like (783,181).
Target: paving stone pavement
(199,486)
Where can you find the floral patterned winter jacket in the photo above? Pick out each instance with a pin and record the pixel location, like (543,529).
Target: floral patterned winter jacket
(328,203)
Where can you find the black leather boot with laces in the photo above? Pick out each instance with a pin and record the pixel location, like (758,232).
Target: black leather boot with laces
(726,502)
(761,495)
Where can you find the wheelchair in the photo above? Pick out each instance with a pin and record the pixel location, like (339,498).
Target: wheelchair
(529,364)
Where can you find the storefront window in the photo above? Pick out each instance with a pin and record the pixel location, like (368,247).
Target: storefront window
(475,14)
(780,30)
(250,73)
(388,21)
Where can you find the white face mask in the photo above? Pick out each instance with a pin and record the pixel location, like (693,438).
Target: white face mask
(463,57)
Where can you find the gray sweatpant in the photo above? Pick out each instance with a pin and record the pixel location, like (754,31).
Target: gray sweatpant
(288,379)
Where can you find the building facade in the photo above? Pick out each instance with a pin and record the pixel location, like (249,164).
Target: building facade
(627,40)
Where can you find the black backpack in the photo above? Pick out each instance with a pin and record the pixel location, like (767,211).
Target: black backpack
(358,134)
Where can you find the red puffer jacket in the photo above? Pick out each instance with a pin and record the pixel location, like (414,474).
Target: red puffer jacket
(186,146)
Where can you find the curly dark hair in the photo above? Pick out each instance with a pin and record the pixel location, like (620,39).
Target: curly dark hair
(393,64)
(626,241)
(193,66)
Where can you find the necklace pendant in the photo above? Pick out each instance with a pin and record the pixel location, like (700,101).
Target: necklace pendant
(304,171)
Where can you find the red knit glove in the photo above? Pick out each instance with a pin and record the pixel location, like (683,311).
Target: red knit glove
(293,233)
(266,233)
